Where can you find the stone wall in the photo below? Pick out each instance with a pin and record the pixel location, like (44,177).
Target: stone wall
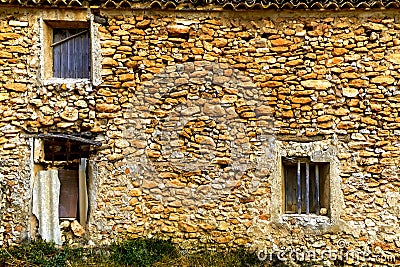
(17,68)
(195,110)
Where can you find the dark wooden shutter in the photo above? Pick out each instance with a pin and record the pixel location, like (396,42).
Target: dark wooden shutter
(69,193)
(71,58)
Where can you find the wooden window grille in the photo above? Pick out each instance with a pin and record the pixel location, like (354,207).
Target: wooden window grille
(306,186)
(71,53)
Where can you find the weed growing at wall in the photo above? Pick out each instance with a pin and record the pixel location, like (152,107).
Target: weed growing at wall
(38,253)
(137,252)
(141,252)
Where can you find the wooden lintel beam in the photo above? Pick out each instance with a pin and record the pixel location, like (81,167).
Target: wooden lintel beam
(69,137)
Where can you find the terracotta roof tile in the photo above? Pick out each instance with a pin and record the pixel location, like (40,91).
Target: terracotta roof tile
(212,4)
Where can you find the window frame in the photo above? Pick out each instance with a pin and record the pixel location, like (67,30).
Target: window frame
(317,151)
(78,162)
(48,55)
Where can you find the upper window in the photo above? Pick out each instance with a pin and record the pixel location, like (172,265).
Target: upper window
(71,53)
(306,186)
(67,50)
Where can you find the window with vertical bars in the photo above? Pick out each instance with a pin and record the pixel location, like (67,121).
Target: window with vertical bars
(71,53)
(306,186)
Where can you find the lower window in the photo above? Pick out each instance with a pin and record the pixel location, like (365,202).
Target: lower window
(68,156)
(306,186)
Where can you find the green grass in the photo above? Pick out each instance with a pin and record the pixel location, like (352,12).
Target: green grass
(209,258)
(34,254)
(136,252)
(142,252)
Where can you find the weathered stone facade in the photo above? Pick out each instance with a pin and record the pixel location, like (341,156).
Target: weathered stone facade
(196,109)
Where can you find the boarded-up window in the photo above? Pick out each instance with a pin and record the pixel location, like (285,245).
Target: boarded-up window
(306,185)
(71,53)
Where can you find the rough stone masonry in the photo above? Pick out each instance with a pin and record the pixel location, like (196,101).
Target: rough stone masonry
(195,109)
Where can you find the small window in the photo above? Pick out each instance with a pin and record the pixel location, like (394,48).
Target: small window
(306,186)
(71,53)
